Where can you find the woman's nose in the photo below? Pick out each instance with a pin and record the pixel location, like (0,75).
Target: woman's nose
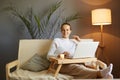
(65,31)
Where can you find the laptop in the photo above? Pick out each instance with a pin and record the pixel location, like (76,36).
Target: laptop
(86,49)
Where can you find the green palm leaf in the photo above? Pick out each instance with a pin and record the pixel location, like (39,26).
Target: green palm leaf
(28,25)
(72,17)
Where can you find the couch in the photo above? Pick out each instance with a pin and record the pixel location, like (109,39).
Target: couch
(28,49)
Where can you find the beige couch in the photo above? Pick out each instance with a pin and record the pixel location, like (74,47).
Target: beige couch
(28,48)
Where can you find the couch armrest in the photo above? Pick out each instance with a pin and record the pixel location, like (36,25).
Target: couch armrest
(101,64)
(10,66)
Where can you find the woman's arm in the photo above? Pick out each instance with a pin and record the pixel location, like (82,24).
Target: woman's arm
(76,38)
(51,52)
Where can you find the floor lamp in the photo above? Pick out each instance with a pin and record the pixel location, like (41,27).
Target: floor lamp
(101,17)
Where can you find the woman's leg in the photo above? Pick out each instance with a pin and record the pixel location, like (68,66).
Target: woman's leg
(79,70)
(84,72)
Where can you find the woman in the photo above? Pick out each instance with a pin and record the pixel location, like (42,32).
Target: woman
(67,47)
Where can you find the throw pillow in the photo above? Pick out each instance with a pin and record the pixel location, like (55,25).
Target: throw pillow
(36,63)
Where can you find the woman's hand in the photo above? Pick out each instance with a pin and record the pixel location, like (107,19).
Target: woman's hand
(76,37)
(66,54)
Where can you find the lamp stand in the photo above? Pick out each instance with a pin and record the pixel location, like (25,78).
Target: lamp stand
(102,46)
(101,42)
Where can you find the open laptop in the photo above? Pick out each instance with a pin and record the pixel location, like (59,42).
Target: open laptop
(86,49)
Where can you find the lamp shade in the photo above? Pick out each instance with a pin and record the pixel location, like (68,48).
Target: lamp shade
(101,17)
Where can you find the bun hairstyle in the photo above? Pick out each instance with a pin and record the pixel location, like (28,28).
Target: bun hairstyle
(66,24)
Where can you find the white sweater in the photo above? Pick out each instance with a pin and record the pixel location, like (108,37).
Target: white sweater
(60,45)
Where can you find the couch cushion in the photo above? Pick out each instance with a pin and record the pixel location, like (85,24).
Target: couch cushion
(42,75)
(36,63)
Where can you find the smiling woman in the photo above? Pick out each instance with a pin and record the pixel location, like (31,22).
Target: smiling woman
(96,2)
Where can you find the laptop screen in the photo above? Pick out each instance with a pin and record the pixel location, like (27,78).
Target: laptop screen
(85,49)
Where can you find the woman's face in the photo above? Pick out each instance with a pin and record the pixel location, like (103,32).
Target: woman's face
(65,31)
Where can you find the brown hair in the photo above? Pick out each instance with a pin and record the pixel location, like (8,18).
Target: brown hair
(66,24)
